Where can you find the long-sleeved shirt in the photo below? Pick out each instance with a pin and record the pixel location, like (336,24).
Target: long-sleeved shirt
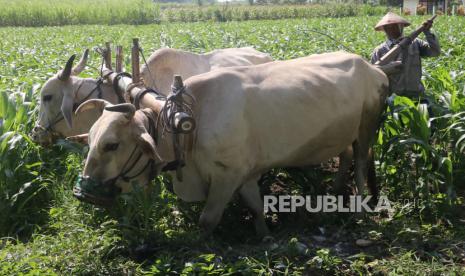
(407,82)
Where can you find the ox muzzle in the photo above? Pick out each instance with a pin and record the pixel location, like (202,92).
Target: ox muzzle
(44,136)
(95,192)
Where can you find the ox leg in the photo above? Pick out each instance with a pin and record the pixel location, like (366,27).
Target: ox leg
(372,182)
(361,161)
(219,195)
(250,193)
(345,162)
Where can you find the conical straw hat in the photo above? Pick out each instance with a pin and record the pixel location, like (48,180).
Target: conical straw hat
(391,18)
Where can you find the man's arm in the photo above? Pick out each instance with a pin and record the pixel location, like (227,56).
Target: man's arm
(378,53)
(374,57)
(430,47)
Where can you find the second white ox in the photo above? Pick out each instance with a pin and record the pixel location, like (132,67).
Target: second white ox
(249,119)
(163,64)
(63,91)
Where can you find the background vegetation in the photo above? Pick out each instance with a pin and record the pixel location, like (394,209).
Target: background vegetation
(109,12)
(222,13)
(45,230)
(69,12)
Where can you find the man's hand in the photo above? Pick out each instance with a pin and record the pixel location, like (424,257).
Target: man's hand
(427,25)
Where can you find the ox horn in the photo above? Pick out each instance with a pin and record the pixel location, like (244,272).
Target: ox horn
(127,108)
(91,104)
(66,73)
(82,63)
(81,138)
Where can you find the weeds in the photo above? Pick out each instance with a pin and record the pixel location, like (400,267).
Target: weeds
(136,12)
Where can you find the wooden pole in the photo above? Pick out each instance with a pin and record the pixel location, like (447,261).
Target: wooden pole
(177,82)
(119,59)
(108,55)
(181,120)
(135,60)
(133,87)
(394,52)
(148,100)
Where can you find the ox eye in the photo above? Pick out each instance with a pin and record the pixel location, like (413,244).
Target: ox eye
(110,147)
(47,98)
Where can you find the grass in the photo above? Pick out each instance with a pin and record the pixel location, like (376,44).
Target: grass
(46,231)
(69,12)
(222,13)
(110,12)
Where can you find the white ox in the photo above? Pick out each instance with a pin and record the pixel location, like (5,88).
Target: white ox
(61,93)
(163,64)
(58,97)
(249,119)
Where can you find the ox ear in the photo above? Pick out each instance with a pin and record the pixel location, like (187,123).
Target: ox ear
(82,64)
(146,142)
(66,72)
(67,107)
(128,109)
(91,104)
(80,139)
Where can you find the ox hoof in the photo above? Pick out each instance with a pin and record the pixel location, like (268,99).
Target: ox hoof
(268,239)
(262,231)
(360,217)
(206,235)
(363,242)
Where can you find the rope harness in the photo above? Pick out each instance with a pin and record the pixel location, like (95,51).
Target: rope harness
(173,103)
(103,193)
(124,174)
(146,65)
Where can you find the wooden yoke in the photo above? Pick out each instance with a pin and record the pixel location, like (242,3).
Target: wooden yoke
(171,110)
(119,59)
(135,61)
(133,86)
(107,55)
(181,122)
(125,83)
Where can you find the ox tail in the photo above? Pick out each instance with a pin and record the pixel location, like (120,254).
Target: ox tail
(384,104)
(372,181)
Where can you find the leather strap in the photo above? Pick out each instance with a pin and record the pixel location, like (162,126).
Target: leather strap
(173,165)
(136,100)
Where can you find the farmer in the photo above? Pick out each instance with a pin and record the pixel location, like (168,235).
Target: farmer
(406,81)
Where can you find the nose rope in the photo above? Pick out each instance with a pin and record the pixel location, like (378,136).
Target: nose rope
(124,172)
(49,127)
